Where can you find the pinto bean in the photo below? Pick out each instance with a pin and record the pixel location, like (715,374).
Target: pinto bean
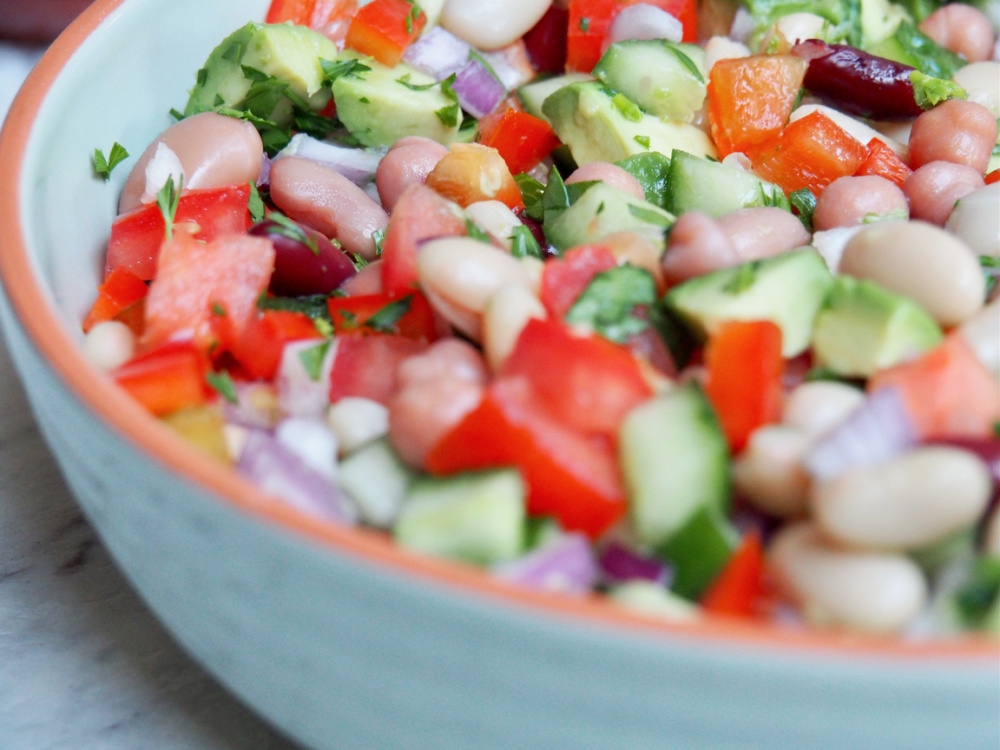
(697,245)
(492,24)
(964,30)
(935,188)
(214,151)
(322,198)
(409,161)
(609,173)
(849,201)
(955,130)
(763,231)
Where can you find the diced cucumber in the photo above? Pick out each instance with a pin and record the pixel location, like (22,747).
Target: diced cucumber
(535,93)
(651,598)
(604,210)
(675,462)
(475,517)
(715,188)
(377,480)
(699,551)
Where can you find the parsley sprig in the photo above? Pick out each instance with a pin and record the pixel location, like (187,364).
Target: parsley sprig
(104,165)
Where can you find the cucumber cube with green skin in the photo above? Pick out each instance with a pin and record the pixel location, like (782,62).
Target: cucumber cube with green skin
(675,462)
(714,188)
(699,550)
(787,289)
(534,93)
(474,517)
(603,210)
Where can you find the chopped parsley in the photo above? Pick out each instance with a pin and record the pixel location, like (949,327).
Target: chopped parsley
(611,302)
(650,215)
(378,237)
(386,319)
(450,114)
(332,70)
(585,25)
(105,165)
(255,204)
(285,227)
(742,279)
(168,199)
(223,384)
(804,202)
(314,306)
(531,193)
(312,360)
(524,244)
(991,269)
(474,232)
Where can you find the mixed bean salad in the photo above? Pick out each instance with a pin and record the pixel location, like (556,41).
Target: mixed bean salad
(689,305)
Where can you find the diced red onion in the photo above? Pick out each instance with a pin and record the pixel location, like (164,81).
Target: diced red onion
(299,394)
(620,564)
(264,179)
(876,431)
(438,53)
(276,470)
(564,565)
(356,164)
(479,91)
(312,441)
(255,407)
(644,21)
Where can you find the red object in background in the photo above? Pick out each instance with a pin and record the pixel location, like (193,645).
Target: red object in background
(260,345)
(37,20)
(365,365)
(120,290)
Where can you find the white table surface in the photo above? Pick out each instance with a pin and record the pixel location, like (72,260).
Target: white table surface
(83,663)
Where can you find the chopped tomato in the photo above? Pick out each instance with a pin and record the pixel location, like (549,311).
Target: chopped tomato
(744,377)
(739,587)
(385,28)
(569,476)
(136,236)
(565,278)
(260,346)
(750,98)
(882,161)
(810,153)
(521,139)
(202,285)
(312,13)
(410,315)
(166,378)
(471,172)
(120,290)
(419,214)
(365,365)
(993,176)
(948,391)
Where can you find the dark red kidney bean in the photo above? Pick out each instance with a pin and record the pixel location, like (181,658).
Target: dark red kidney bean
(858,83)
(318,267)
(545,42)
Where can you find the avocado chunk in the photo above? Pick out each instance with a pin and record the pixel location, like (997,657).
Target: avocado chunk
(864,327)
(664,79)
(261,68)
(534,93)
(380,105)
(716,188)
(788,289)
(598,124)
(604,210)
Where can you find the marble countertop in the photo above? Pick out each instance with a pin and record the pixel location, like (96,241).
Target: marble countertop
(84,665)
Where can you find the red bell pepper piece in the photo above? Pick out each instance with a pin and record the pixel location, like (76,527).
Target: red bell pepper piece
(744,371)
(522,139)
(312,13)
(993,176)
(565,278)
(884,162)
(365,365)
(385,28)
(259,347)
(167,378)
(120,290)
(739,587)
(359,314)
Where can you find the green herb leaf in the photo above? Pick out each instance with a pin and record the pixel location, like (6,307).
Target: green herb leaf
(804,202)
(378,237)
(977,596)
(650,215)
(313,305)
(312,360)
(743,279)
(255,204)
(449,115)
(385,320)
(168,199)
(104,166)
(687,62)
(610,303)
(629,109)
(288,228)
(555,198)
(222,383)
(524,244)
(334,69)
(990,266)
(585,25)
(405,81)
(928,91)
(531,193)
(474,232)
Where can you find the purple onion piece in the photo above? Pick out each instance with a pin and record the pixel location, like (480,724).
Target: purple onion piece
(438,53)
(255,407)
(620,564)
(279,472)
(876,431)
(479,92)
(305,262)
(856,82)
(356,164)
(564,565)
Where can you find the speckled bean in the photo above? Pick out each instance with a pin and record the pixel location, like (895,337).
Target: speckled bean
(849,201)
(920,261)
(763,231)
(491,24)
(697,245)
(908,502)
(935,188)
(880,592)
(409,161)
(955,130)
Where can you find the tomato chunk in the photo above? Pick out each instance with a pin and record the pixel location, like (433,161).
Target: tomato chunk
(365,365)
(521,139)
(740,586)
(167,378)
(410,315)
(385,28)
(260,346)
(120,290)
(565,278)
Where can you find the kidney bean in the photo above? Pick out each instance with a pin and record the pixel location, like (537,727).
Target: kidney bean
(491,24)
(214,151)
(921,261)
(964,30)
(325,200)
(409,161)
(849,201)
(935,188)
(611,174)
(696,246)
(955,130)
(307,265)
(976,220)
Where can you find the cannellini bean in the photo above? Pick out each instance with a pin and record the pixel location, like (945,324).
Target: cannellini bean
(494,218)
(460,275)
(981,81)
(763,231)
(491,24)
(955,130)
(214,151)
(830,244)
(877,592)
(109,345)
(507,313)
(849,201)
(964,30)
(797,27)
(921,261)
(769,472)
(697,246)
(409,161)
(611,174)
(644,21)
(436,389)
(819,406)
(935,188)
(857,129)
(905,503)
(325,200)
(357,421)
(991,536)
(982,333)
(976,220)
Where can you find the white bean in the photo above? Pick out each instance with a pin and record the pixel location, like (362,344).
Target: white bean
(643,21)
(494,218)
(905,503)
(797,27)
(816,407)
(491,24)
(723,48)
(976,220)
(769,472)
(507,313)
(981,81)
(921,261)
(109,345)
(870,591)
(357,421)
(982,333)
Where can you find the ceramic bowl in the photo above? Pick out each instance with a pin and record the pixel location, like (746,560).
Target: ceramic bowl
(335,636)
